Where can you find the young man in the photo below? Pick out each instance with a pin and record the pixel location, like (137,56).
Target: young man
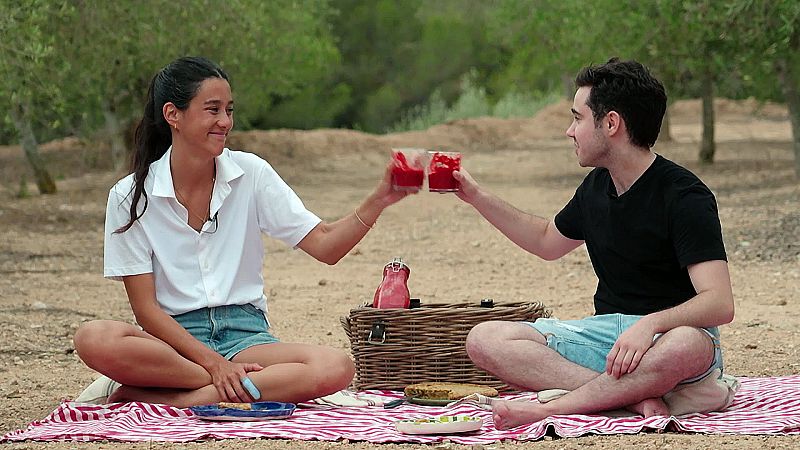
(654,239)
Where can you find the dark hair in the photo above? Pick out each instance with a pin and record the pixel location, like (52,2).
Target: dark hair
(628,88)
(178,83)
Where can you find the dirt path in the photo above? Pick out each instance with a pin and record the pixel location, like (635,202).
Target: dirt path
(51,255)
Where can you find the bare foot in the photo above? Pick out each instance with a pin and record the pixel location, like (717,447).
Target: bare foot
(650,407)
(512,414)
(125,394)
(176,397)
(118,396)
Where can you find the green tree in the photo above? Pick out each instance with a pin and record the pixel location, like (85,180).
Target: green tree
(28,74)
(276,51)
(377,42)
(707,47)
(551,40)
(680,41)
(272,49)
(106,83)
(771,31)
(548,41)
(395,55)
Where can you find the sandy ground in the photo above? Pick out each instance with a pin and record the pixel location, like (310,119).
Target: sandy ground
(51,252)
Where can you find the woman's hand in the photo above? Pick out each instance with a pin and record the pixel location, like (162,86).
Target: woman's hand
(227,378)
(329,242)
(384,194)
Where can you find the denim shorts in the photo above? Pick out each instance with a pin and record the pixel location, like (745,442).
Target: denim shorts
(228,329)
(588,341)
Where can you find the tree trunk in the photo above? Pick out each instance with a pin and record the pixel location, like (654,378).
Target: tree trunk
(568,82)
(707,147)
(44,181)
(664,135)
(789,79)
(114,132)
(666,130)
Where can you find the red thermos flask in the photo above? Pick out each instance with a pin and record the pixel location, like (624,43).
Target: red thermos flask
(393,290)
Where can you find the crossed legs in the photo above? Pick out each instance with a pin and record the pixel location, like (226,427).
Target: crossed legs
(517,354)
(152,371)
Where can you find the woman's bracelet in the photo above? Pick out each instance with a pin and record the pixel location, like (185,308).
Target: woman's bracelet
(355,211)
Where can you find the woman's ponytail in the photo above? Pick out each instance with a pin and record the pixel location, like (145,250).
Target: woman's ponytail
(177,83)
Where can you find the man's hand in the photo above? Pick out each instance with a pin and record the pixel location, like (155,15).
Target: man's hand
(629,349)
(468,189)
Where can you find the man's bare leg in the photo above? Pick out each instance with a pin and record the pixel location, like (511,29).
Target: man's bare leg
(656,375)
(508,351)
(518,354)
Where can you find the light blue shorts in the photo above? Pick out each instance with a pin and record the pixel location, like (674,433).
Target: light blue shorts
(588,341)
(228,329)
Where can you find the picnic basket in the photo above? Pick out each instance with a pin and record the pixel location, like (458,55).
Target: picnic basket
(396,347)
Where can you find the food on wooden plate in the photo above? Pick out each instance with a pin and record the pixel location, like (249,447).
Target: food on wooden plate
(440,425)
(447,391)
(244,406)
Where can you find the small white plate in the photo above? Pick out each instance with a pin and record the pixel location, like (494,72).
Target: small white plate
(439,425)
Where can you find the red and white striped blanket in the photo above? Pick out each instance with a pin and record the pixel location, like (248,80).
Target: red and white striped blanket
(762,406)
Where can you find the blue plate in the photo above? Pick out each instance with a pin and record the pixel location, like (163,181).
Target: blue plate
(259,411)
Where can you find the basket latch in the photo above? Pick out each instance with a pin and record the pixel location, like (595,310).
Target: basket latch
(378,331)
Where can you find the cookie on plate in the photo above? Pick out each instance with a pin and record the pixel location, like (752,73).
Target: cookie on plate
(447,391)
(243,406)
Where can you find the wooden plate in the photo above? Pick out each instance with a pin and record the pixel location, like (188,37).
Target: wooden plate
(440,425)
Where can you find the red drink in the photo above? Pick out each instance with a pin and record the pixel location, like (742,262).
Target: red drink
(440,171)
(408,170)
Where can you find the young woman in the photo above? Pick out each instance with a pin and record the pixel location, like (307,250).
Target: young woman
(183,233)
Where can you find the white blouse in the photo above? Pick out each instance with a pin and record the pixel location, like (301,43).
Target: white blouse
(222,264)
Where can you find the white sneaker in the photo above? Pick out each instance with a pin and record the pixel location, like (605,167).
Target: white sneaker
(548,395)
(715,392)
(98,391)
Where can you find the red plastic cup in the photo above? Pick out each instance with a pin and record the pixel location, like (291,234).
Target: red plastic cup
(408,169)
(440,171)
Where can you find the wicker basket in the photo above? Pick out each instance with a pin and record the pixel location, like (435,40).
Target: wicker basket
(396,347)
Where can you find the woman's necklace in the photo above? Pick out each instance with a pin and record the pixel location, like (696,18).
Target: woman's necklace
(203,219)
(182,199)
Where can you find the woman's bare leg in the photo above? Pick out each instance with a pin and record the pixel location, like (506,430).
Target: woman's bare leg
(298,372)
(133,357)
(292,373)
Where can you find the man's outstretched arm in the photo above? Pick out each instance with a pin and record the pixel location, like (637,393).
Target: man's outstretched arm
(534,234)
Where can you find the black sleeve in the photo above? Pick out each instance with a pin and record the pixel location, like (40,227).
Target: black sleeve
(569,220)
(696,230)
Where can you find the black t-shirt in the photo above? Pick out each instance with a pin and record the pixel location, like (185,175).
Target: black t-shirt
(641,242)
